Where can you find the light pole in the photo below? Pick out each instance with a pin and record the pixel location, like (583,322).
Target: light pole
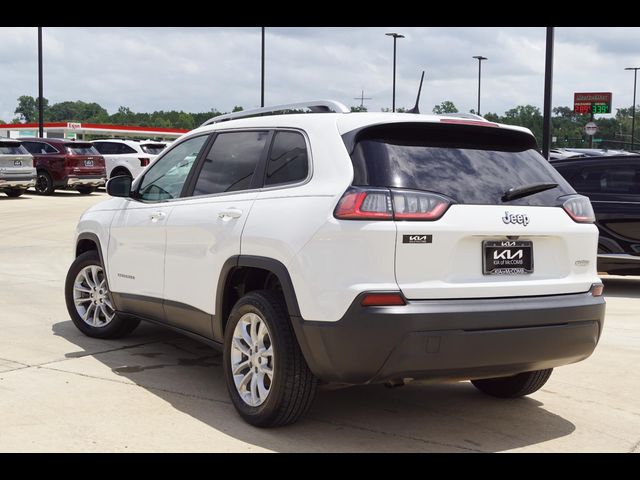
(395,36)
(262,73)
(633,108)
(480,59)
(40,96)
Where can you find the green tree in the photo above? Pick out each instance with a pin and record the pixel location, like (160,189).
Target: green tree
(27,108)
(237,108)
(527,116)
(445,107)
(359,108)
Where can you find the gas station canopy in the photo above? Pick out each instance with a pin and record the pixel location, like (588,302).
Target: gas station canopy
(79,131)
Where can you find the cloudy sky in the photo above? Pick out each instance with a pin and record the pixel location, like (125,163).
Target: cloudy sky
(197,69)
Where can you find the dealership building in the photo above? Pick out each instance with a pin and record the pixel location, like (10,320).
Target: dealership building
(86,131)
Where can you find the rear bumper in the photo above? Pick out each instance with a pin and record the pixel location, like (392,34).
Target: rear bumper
(18,181)
(452,339)
(86,181)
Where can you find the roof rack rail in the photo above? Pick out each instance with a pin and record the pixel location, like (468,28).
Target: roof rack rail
(316,106)
(464,115)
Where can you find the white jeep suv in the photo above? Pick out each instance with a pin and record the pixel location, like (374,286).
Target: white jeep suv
(350,248)
(127,157)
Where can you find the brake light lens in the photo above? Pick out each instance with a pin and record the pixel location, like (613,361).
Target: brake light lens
(579,209)
(144,162)
(390,204)
(412,205)
(365,204)
(382,300)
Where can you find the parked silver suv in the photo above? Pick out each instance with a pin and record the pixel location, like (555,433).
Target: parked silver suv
(17,173)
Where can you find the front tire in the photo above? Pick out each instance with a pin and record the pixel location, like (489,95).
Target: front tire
(267,376)
(89,301)
(15,192)
(516,386)
(44,183)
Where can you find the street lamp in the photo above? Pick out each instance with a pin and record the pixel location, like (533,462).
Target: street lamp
(480,59)
(395,36)
(633,108)
(40,95)
(262,73)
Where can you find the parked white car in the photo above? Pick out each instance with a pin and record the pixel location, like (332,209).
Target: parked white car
(348,247)
(128,157)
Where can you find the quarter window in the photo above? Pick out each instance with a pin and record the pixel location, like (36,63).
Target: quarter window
(288,160)
(231,162)
(166,178)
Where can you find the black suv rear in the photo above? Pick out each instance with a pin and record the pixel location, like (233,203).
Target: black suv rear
(613,185)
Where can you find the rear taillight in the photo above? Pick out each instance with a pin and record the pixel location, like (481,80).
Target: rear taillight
(365,204)
(412,205)
(579,209)
(390,204)
(382,300)
(144,162)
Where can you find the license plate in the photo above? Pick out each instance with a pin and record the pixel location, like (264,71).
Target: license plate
(17,163)
(507,257)
(88,163)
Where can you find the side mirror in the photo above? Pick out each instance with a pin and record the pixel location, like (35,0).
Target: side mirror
(120,186)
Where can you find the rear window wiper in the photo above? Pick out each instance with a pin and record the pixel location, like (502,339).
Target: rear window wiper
(526,190)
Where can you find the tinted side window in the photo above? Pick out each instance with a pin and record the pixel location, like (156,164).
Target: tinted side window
(231,162)
(124,149)
(105,148)
(611,178)
(165,178)
(288,160)
(34,148)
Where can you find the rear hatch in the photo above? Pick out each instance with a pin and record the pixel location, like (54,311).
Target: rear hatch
(458,235)
(14,159)
(82,159)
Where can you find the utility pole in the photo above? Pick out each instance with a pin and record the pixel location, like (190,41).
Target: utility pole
(362,98)
(548,83)
(633,108)
(40,95)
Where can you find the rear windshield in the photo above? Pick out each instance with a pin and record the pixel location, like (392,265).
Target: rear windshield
(152,148)
(472,165)
(81,149)
(12,148)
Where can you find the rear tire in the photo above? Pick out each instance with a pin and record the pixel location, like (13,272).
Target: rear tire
(15,192)
(516,386)
(291,387)
(44,183)
(105,325)
(86,190)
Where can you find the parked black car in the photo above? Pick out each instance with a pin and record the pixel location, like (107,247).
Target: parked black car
(613,185)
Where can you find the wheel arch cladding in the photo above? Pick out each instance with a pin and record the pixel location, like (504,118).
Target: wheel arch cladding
(242,263)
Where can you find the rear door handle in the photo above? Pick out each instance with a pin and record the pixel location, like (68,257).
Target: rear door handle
(229,214)
(156,216)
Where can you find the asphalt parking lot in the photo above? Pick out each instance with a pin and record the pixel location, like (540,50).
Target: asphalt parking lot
(159,391)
